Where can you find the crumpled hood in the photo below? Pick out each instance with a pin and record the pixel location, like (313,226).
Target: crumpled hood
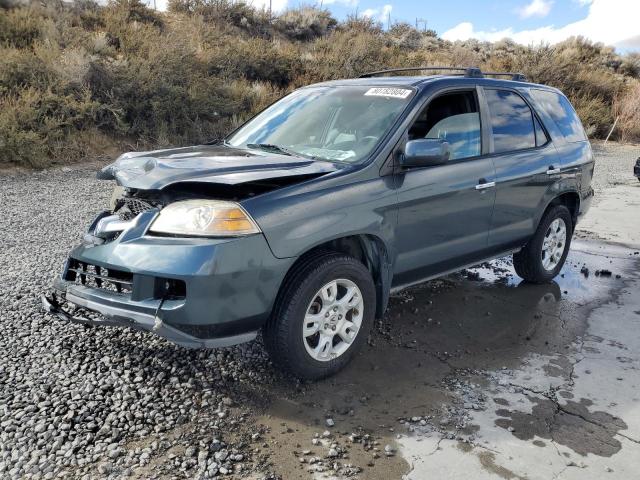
(207,164)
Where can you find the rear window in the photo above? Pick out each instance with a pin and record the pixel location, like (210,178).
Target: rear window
(511,121)
(562,113)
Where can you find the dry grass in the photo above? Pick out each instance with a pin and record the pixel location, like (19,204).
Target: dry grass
(79,79)
(626,108)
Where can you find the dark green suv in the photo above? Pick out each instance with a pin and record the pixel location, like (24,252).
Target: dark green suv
(301,222)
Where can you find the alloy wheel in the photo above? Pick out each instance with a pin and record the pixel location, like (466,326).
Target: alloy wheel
(554,244)
(332,320)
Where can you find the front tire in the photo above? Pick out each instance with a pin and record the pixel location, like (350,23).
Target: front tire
(542,258)
(322,316)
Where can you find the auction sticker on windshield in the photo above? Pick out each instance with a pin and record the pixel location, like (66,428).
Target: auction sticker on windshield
(388,92)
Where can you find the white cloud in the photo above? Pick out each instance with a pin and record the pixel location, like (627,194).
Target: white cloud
(381,14)
(613,22)
(537,8)
(348,3)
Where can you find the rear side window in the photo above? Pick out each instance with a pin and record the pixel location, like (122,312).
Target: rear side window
(562,113)
(511,121)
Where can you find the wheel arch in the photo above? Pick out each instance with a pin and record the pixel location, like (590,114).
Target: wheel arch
(570,199)
(369,249)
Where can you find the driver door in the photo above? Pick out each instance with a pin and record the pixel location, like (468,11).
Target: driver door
(444,211)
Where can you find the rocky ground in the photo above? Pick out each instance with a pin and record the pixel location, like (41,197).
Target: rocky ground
(472,376)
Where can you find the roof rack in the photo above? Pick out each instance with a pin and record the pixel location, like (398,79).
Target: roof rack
(517,77)
(469,72)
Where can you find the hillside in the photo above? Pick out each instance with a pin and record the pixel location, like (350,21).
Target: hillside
(83,81)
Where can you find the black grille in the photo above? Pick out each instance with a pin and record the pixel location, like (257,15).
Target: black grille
(130,207)
(99,277)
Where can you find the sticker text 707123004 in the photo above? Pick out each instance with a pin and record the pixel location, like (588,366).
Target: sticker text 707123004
(388,92)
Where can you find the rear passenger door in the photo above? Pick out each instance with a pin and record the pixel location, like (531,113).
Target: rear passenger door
(526,164)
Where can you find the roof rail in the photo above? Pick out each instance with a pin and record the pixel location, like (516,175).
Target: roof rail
(470,72)
(516,77)
(464,71)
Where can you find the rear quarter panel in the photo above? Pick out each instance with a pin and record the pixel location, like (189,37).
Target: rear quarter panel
(576,158)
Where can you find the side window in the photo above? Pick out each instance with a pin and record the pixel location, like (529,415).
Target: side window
(511,121)
(453,117)
(562,113)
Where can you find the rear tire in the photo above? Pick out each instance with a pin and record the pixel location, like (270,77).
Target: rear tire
(322,316)
(542,258)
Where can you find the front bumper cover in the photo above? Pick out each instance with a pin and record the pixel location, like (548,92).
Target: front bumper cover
(228,285)
(118,317)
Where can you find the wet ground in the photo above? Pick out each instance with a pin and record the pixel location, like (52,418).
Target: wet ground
(482,373)
(473,376)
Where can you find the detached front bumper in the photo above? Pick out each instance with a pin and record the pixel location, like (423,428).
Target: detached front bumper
(119,317)
(195,292)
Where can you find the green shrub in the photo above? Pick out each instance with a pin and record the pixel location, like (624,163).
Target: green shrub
(254,59)
(78,79)
(305,23)
(404,35)
(20,27)
(233,13)
(20,68)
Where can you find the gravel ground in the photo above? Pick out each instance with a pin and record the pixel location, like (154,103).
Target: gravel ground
(73,401)
(614,164)
(87,403)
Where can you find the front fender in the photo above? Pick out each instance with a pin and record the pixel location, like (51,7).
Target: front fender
(295,223)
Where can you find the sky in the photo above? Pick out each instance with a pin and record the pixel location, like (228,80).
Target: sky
(614,22)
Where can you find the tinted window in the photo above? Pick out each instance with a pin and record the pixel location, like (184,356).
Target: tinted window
(511,121)
(453,117)
(541,136)
(462,132)
(562,113)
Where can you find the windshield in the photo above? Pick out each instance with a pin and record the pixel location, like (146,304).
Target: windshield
(328,123)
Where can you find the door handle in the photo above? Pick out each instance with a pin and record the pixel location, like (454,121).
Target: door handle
(552,170)
(482,186)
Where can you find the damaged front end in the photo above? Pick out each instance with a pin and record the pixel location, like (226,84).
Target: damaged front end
(92,291)
(176,254)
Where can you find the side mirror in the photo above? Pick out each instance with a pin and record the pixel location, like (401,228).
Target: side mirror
(425,152)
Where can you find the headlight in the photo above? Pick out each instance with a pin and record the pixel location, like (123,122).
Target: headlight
(208,218)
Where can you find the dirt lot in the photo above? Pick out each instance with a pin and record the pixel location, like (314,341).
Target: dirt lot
(476,375)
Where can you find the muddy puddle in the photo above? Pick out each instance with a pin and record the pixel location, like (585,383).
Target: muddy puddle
(475,368)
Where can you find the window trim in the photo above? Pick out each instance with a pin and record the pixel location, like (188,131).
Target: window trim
(444,91)
(534,113)
(544,130)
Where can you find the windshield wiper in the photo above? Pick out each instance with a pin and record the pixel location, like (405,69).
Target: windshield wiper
(270,147)
(218,141)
